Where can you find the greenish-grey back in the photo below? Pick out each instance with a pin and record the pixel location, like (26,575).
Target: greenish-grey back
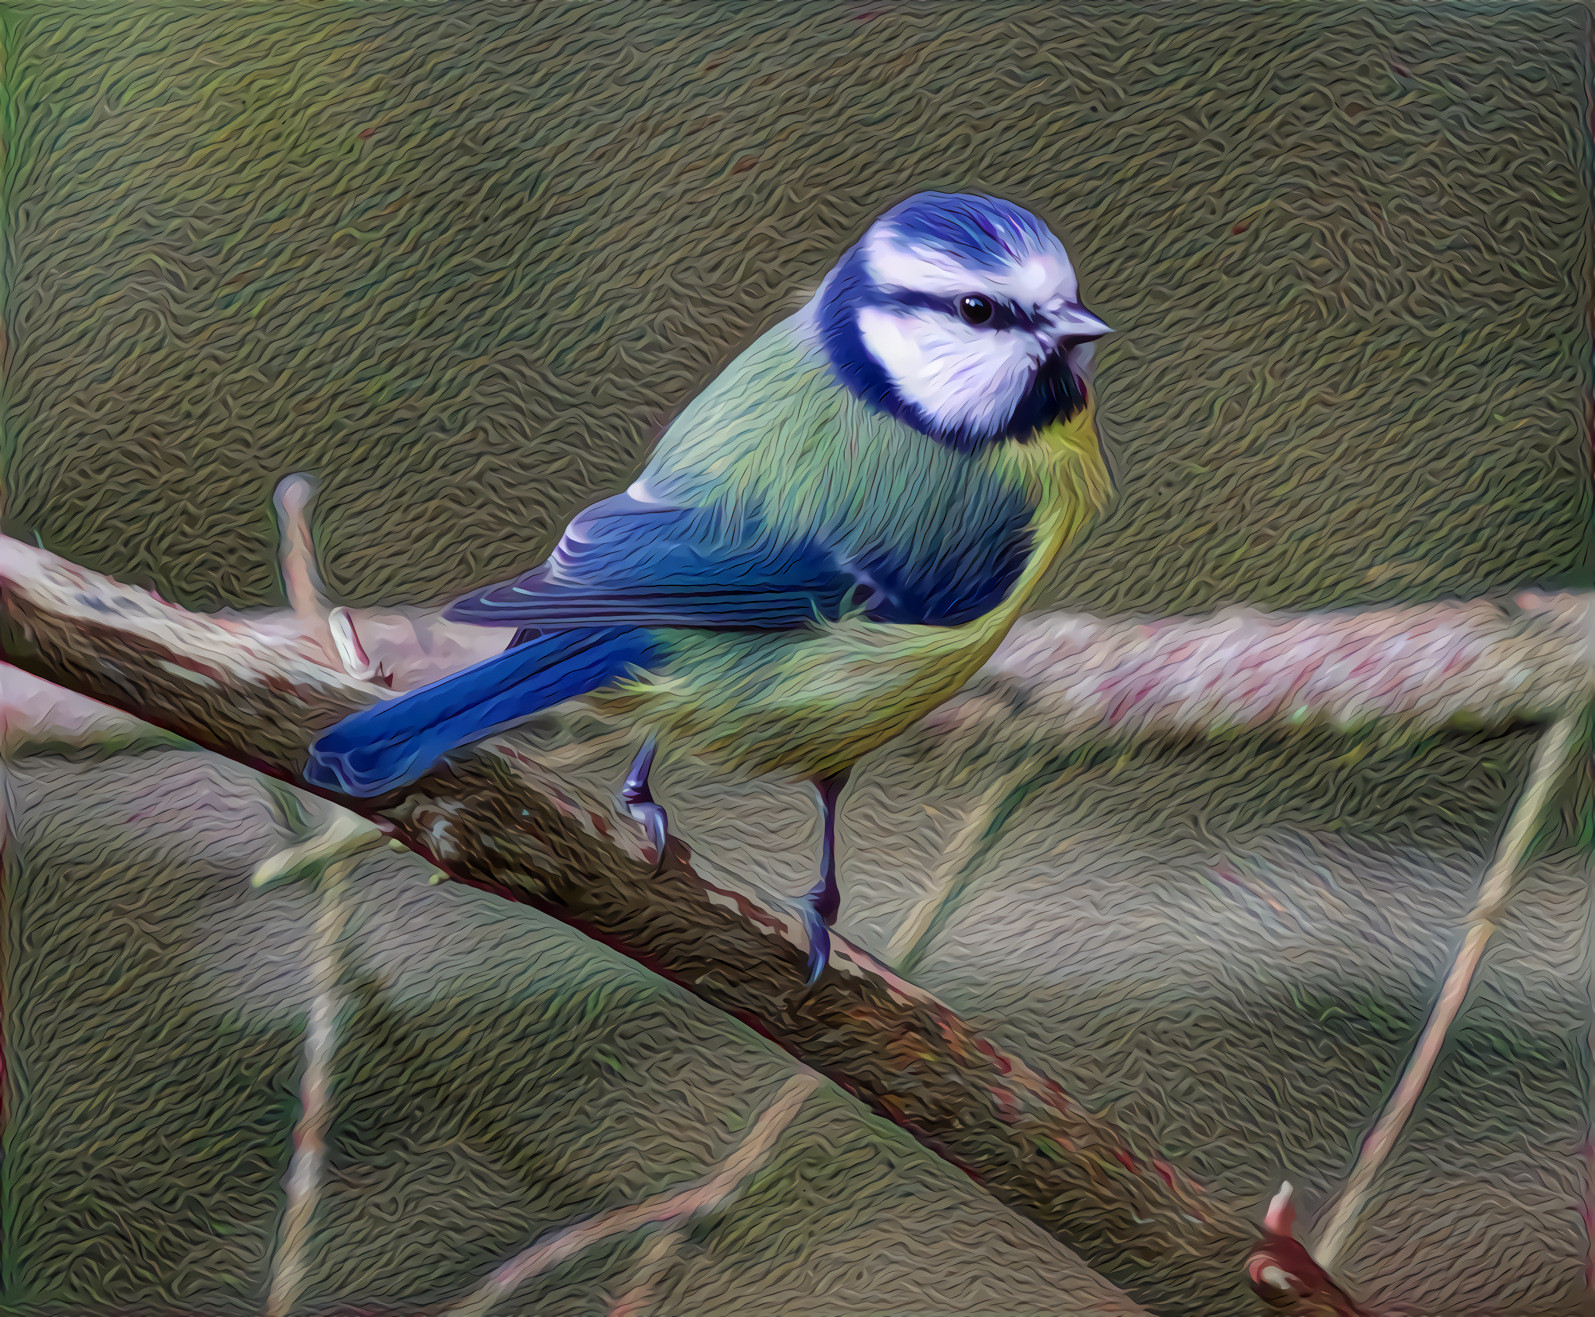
(463,260)
(777,442)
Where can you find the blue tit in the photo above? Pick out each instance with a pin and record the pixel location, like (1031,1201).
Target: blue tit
(827,542)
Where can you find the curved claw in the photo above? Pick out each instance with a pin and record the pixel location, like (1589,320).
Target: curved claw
(656,823)
(823,902)
(819,942)
(643,807)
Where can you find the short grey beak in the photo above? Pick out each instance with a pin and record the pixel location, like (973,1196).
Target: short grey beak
(1074,321)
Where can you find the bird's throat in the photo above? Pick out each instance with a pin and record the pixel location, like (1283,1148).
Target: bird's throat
(1063,469)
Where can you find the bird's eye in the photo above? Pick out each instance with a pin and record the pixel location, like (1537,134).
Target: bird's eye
(974,309)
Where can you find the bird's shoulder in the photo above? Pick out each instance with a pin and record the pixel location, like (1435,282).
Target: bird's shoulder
(772,404)
(778,428)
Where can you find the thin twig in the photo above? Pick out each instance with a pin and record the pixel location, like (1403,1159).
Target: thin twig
(645,1277)
(296,555)
(1550,757)
(321,1042)
(678,1206)
(954,875)
(302,582)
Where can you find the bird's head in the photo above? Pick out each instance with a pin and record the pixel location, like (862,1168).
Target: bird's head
(960,315)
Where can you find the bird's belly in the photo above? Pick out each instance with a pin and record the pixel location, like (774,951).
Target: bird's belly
(802,703)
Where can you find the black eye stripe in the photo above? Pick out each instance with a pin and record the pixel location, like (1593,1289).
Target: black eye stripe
(1004,315)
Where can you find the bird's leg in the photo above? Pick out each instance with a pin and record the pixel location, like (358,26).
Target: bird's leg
(824,899)
(640,803)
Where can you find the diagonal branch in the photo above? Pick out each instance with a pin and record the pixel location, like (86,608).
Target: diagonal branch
(1556,747)
(257,691)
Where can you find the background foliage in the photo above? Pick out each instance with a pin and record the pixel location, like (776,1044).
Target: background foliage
(460,260)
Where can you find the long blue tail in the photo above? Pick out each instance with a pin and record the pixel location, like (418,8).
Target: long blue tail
(395,741)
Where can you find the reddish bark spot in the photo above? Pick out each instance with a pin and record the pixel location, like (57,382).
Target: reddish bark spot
(746,908)
(1125,1160)
(1055,1091)
(367,133)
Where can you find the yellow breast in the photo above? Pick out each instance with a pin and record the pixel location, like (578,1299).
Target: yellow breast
(1065,473)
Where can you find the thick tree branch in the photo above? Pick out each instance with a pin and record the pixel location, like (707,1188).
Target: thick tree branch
(258,690)
(1391,671)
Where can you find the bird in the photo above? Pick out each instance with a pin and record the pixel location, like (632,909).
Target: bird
(826,542)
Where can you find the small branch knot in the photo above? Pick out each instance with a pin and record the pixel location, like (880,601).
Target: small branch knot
(1283,1273)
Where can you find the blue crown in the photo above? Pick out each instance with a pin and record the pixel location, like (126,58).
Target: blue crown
(980,232)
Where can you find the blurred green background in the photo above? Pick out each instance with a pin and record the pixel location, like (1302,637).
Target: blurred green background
(461,261)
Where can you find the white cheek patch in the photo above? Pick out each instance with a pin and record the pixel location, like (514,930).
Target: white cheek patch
(957,376)
(1040,278)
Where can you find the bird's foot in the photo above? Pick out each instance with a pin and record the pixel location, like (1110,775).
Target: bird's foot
(821,904)
(656,824)
(819,943)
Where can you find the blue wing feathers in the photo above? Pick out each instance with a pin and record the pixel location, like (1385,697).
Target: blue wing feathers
(642,564)
(626,562)
(950,588)
(394,742)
